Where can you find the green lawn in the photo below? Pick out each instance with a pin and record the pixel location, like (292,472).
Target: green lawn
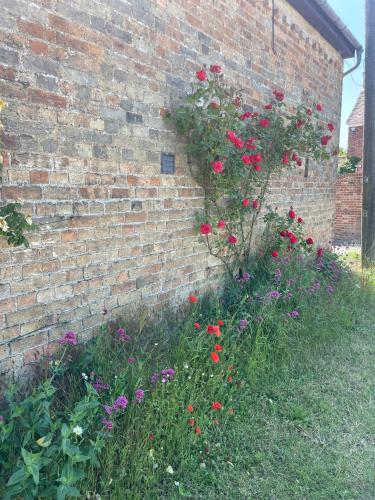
(305,429)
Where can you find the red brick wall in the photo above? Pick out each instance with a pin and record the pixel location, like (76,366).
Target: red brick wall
(355,141)
(348,207)
(85,83)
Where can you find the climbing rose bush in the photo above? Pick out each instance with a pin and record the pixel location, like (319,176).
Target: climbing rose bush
(233,151)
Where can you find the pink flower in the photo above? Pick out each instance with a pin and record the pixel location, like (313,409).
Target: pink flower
(107,423)
(255,204)
(205,229)
(257,168)
(292,238)
(292,214)
(309,112)
(279,96)
(325,139)
(331,127)
(215,68)
(299,123)
(246,159)
(319,107)
(268,106)
(245,202)
(221,224)
(245,115)
(69,338)
(232,240)
(201,75)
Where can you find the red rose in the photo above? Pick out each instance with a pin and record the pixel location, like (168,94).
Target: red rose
(309,112)
(320,252)
(216,405)
(197,326)
(232,240)
(201,75)
(299,123)
(246,159)
(193,298)
(283,234)
(215,68)
(294,157)
(299,162)
(218,347)
(214,105)
(331,127)
(285,159)
(231,135)
(268,106)
(275,253)
(310,241)
(293,238)
(258,157)
(245,202)
(221,224)
(292,214)
(215,358)
(205,229)
(325,139)
(257,168)
(279,96)
(255,204)
(319,107)
(245,115)
(190,408)
(238,143)
(217,166)
(264,123)
(300,220)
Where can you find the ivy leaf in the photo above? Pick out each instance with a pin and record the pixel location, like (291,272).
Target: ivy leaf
(18,476)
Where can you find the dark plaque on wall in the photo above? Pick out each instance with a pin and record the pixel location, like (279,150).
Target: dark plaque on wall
(168,163)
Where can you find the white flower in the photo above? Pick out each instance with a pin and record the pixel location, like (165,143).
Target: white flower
(85,376)
(177,483)
(29,220)
(77,430)
(169,469)
(3,225)
(186,365)
(202,465)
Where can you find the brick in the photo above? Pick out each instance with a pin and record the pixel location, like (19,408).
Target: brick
(39,177)
(47,98)
(36,30)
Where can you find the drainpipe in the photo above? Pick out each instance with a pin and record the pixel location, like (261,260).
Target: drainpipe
(330,13)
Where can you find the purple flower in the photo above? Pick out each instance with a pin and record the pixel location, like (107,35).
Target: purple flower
(120,403)
(168,373)
(108,409)
(98,385)
(107,423)
(242,324)
(131,360)
(330,290)
(293,314)
(139,395)
(123,335)
(277,275)
(244,277)
(274,294)
(154,378)
(69,338)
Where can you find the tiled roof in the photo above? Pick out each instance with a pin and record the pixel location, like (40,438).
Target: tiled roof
(357,115)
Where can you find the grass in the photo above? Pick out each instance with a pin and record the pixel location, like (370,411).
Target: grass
(297,417)
(306,427)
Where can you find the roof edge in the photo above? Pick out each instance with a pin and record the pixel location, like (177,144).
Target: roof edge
(324,19)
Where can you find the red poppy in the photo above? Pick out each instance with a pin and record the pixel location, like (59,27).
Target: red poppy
(198,430)
(245,202)
(193,298)
(230,378)
(218,347)
(190,408)
(197,326)
(217,166)
(215,358)
(275,253)
(216,405)
(220,322)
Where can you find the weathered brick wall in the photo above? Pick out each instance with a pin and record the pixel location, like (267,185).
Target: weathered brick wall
(348,218)
(86,82)
(355,141)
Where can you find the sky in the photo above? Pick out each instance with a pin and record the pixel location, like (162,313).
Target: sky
(352,13)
